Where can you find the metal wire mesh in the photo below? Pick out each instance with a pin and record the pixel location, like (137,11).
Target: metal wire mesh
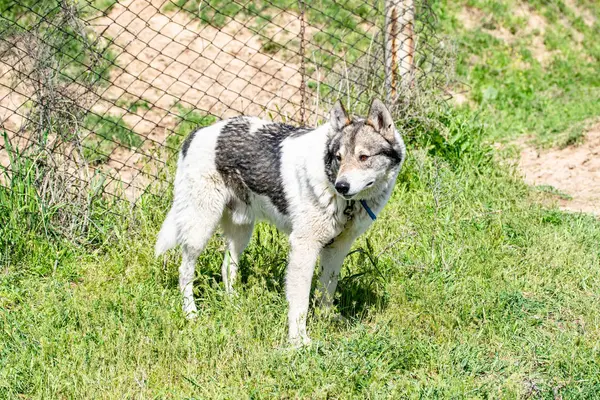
(98,95)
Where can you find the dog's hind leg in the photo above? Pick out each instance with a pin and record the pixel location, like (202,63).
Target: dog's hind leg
(198,220)
(187,274)
(238,235)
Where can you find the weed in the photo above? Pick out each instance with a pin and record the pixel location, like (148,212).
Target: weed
(134,106)
(554,191)
(271,47)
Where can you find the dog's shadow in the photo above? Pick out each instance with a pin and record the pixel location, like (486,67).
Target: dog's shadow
(356,294)
(356,298)
(362,287)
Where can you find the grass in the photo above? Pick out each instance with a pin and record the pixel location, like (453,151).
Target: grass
(472,292)
(69,55)
(467,286)
(189,119)
(72,55)
(511,88)
(106,133)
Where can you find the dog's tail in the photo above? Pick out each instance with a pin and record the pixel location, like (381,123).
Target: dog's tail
(167,237)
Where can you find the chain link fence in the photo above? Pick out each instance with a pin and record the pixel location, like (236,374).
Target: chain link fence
(96,96)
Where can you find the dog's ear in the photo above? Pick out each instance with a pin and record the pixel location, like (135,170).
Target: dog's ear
(381,120)
(338,117)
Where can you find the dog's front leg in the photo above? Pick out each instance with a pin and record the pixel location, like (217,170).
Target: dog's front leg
(332,258)
(303,256)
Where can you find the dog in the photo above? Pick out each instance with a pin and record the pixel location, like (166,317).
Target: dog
(323,187)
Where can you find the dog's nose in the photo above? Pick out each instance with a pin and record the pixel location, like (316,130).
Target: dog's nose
(342,187)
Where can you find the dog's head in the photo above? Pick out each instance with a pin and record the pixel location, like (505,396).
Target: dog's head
(362,154)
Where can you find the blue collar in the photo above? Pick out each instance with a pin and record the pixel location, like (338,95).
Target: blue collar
(368,210)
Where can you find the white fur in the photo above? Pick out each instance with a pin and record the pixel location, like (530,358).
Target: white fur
(167,237)
(315,217)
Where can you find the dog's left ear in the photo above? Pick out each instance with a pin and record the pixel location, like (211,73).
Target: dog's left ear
(381,120)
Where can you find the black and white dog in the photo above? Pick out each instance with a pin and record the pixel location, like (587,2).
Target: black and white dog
(322,186)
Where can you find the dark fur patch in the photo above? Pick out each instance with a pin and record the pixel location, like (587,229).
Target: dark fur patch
(395,156)
(332,165)
(186,143)
(252,161)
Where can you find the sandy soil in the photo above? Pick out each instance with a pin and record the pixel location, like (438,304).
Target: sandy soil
(473,18)
(574,170)
(12,106)
(171,58)
(168,58)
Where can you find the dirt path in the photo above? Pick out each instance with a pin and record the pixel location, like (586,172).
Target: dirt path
(169,57)
(574,171)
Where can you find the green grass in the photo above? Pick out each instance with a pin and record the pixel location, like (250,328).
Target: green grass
(469,285)
(472,292)
(71,55)
(134,105)
(189,119)
(106,133)
(515,92)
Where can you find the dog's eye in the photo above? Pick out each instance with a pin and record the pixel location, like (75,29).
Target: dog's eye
(363,157)
(338,157)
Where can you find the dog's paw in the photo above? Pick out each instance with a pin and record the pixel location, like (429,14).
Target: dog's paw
(190,311)
(299,342)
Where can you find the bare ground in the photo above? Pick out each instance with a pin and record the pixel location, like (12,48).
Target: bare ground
(535,26)
(168,58)
(574,171)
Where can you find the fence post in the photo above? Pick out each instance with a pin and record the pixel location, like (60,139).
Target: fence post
(399,45)
(407,41)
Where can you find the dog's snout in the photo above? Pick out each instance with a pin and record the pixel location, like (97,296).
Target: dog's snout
(342,187)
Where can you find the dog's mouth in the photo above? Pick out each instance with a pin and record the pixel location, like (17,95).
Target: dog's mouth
(354,195)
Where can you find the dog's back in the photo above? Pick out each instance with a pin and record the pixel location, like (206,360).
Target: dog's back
(238,159)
